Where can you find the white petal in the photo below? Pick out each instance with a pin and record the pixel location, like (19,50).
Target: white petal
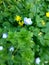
(4,35)
(27,21)
(11,49)
(37,60)
(25,18)
(1,48)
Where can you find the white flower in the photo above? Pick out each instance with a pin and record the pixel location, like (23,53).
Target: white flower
(37,60)
(1,48)
(27,21)
(4,35)
(11,48)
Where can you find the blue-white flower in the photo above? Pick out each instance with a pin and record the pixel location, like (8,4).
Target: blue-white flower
(37,60)
(11,48)
(27,21)
(1,48)
(4,35)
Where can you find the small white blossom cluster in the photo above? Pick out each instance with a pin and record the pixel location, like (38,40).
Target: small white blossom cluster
(27,21)
(1,48)
(4,35)
(37,60)
(11,48)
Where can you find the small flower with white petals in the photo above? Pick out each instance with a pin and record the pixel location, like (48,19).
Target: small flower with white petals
(1,48)
(11,48)
(4,35)
(37,60)
(27,21)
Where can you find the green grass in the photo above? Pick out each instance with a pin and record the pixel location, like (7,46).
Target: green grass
(29,42)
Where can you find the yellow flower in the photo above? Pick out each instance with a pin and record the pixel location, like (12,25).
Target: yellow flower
(47,14)
(40,33)
(43,22)
(21,23)
(18,18)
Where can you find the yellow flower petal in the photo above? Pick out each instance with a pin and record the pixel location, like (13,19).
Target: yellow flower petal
(18,18)
(47,14)
(21,23)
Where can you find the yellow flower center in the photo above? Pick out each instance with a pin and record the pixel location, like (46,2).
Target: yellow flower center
(47,14)
(17,18)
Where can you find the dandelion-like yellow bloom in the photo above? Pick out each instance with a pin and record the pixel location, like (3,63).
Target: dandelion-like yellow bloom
(18,18)
(43,22)
(47,14)
(21,23)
